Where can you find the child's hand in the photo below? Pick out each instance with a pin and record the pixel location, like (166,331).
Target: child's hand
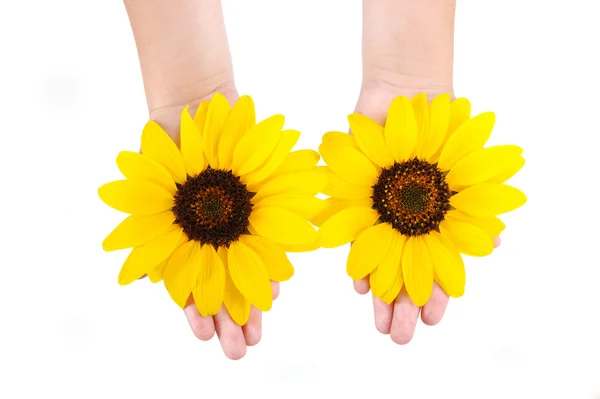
(399,318)
(408,48)
(234,339)
(184,57)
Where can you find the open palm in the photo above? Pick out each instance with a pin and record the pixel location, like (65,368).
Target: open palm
(399,318)
(234,339)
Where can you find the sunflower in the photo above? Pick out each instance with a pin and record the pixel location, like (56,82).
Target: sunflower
(215,217)
(416,193)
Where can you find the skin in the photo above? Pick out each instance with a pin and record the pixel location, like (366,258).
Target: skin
(408,48)
(184,57)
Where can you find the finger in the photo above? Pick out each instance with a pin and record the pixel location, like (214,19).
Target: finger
(404,320)
(383,315)
(253,328)
(497,242)
(433,311)
(362,286)
(203,327)
(275,289)
(230,334)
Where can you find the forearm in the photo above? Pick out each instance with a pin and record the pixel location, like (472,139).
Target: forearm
(183,50)
(409,43)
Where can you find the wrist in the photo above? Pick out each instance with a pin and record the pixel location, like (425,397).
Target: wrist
(378,91)
(406,76)
(202,86)
(183,51)
(408,46)
(168,116)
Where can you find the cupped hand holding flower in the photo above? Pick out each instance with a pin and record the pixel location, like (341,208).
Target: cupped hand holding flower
(215,217)
(412,188)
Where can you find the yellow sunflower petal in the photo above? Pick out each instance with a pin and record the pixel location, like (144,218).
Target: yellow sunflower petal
(287,140)
(157,145)
(256,145)
(146,256)
(439,117)
(387,280)
(200,116)
(448,266)
(278,266)
(460,112)
(297,161)
(216,115)
(191,145)
(392,293)
(508,172)
(332,206)
(421,110)
(349,164)
(469,137)
(301,247)
(338,188)
(340,139)
(300,183)
(209,288)
(369,137)
(346,225)
(240,120)
(155,273)
(292,247)
(368,250)
(137,197)
(181,272)
(137,230)
(137,166)
(282,226)
(488,199)
(305,206)
(417,270)
(484,165)
(401,129)
(249,275)
(469,239)
(252,230)
(235,303)
(490,224)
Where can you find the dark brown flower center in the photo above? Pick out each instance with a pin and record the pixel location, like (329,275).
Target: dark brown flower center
(412,196)
(213,207)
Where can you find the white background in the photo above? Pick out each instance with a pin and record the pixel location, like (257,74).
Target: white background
(71,98)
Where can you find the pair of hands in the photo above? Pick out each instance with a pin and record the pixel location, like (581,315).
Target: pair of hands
(184,56)
(398,319)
